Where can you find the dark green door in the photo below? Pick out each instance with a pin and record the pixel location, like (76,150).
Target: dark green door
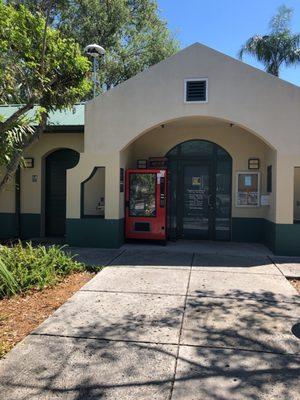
(199,197)
(57,164)
(195,217)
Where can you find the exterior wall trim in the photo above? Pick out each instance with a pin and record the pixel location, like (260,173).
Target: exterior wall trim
(282,239)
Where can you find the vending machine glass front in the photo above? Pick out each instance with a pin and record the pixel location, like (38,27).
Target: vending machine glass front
(142,195)
(145,214)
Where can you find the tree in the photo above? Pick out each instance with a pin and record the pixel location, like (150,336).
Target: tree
(40,68)
(280,47)
(131,31)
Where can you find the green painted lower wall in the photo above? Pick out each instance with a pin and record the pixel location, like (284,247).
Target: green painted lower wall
(287,239)
(8,225)
(30,225)
(95,232)
(247,230)
(282,239)
(269,234)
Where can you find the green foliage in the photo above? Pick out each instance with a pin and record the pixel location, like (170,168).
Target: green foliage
(38,66)
(13,140)
(132,32)
(38,63)
(8,284)
(26,267)
(279,47)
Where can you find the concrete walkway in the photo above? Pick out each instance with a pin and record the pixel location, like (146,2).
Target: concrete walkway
(162,323)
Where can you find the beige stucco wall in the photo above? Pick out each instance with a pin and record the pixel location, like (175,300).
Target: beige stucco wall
(263,105)
(126,161)
(31,192)
(237,92)
(87,162)
(7,198)
(285,187)
(125,124)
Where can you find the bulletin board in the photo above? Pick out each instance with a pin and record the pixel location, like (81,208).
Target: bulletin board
(248,189)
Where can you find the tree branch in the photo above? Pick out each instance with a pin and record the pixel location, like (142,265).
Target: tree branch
(7,124)
(16,159)
(45,38)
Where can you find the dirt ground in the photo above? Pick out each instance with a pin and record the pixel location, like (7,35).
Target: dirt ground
(296,283)
(20,314)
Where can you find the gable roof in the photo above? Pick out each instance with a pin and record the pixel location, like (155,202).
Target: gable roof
(239,93)
(200,48)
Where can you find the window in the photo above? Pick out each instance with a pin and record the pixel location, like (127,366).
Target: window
(269,179)
(195,90)
(198,148)
(93,194)
(142,196)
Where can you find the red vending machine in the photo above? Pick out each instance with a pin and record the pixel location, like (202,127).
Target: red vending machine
(146,204)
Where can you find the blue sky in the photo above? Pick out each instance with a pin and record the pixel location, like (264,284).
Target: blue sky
(226,24)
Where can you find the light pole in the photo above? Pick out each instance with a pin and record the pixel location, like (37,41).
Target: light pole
(95,51)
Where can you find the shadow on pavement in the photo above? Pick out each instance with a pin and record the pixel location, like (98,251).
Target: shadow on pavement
(212,366)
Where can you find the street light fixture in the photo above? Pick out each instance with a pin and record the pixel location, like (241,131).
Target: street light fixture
(95,51)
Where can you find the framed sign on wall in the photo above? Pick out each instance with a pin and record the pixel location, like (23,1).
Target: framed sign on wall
(248,189)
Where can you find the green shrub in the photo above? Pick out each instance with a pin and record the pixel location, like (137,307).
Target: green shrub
(24,267)
(8,284)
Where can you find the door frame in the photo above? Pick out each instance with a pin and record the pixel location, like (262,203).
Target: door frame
(43,229)
(211,160)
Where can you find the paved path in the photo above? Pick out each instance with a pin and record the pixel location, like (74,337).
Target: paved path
(161,324)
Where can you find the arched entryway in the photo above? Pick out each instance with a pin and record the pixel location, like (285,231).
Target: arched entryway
(57,164)
(199,191)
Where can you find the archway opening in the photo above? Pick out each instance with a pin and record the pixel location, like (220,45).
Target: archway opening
(57,164)
(247,213)
(200,191)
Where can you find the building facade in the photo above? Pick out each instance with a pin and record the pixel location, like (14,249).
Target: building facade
(230,136)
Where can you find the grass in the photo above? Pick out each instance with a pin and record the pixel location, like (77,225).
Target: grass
(25,267)
(4,348)
(8,284)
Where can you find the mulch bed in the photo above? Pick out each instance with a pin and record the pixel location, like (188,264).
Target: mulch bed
(295,283)
(20,314)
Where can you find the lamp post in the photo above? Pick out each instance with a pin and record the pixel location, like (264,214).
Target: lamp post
(95,51)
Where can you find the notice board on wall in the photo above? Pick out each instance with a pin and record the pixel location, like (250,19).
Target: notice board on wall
(248,189)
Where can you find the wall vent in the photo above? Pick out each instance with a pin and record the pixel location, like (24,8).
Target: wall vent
(195,90)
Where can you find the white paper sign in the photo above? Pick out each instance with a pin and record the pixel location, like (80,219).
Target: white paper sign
(160,174)
(265,200)
(248,180)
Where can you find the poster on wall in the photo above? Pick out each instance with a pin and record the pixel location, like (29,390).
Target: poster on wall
(248,194)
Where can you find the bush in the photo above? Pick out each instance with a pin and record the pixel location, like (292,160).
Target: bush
(24,267)
(8,284)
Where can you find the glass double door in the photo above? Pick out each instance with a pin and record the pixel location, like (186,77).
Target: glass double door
(195,208)
(200,199)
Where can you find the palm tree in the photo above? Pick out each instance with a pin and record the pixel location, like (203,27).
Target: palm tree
(279,47)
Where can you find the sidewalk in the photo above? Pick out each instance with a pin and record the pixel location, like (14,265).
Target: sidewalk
(161,324)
